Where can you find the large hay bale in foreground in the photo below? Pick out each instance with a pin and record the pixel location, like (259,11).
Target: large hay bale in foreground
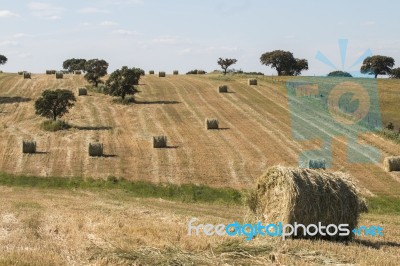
(160,142)
(212,123)
(161,74)
(223,89)
(59,75)
(252,82)
(308,196)
(82,91)
(151,72)
(27,75)
(28,146)
(175,72)
(95,149)
(317,164)
(392,163)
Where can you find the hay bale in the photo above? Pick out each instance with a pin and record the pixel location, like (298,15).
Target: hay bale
(161,74)
(308,196)
(212,123)
(77,72)
(223,89)
(27,75)
(175,72)
(95,149)
(392,163)
(50,72)
(151,72)
(28,146)
(159,142)
(252,82)
(59,75)
(82,91)
(21,72)
(200,72)
(317,164)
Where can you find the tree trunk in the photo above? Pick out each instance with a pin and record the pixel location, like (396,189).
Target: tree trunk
(376,75)
(96,83)
(225,69)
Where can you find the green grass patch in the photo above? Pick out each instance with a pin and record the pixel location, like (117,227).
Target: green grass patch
(390,135)
(142,189)
(384,205)
(51,125)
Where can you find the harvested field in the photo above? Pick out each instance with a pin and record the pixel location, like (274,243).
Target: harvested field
(259,133)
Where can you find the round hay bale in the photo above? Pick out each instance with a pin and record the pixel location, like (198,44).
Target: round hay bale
(95,149)
(160,142)
(317,164)
(50,72)
(212,123)
(308,196)
(28,147)
(27,75)
(151,72)
(223,89)
(392,163)
(200,72)
(175,72)
(21,72)
(82,91)
(252,82)
(59,75)
(161,74)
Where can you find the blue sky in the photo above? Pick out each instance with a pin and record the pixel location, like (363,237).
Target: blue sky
(185,35)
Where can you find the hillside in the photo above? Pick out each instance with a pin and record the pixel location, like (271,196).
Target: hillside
(255,132)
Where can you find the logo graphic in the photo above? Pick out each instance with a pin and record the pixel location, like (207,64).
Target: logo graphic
(322,108)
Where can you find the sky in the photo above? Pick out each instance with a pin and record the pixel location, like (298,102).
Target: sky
(183,35)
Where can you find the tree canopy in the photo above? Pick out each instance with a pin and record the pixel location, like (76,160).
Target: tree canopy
(395,73)
(3,59)
(122,81)
(53,104)
(284,62)
(339,73)
(377,65)
(74,64)
(225,63)
(95,70)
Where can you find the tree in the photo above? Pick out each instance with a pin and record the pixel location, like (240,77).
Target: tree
(3,59)
(339,73)
(121,82)
(95,70)
(53,104)
(225,63)
(284,62)
(395,73)
(377,65)
(74,64)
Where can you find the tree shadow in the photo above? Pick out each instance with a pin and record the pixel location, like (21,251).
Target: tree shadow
(157,102)
(92,128)
(16,99)
(109,155)
(42,152)
(171,147)
(377,244)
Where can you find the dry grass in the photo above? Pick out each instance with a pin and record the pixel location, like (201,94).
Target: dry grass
(56,227)
(308,196)
(392,163)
